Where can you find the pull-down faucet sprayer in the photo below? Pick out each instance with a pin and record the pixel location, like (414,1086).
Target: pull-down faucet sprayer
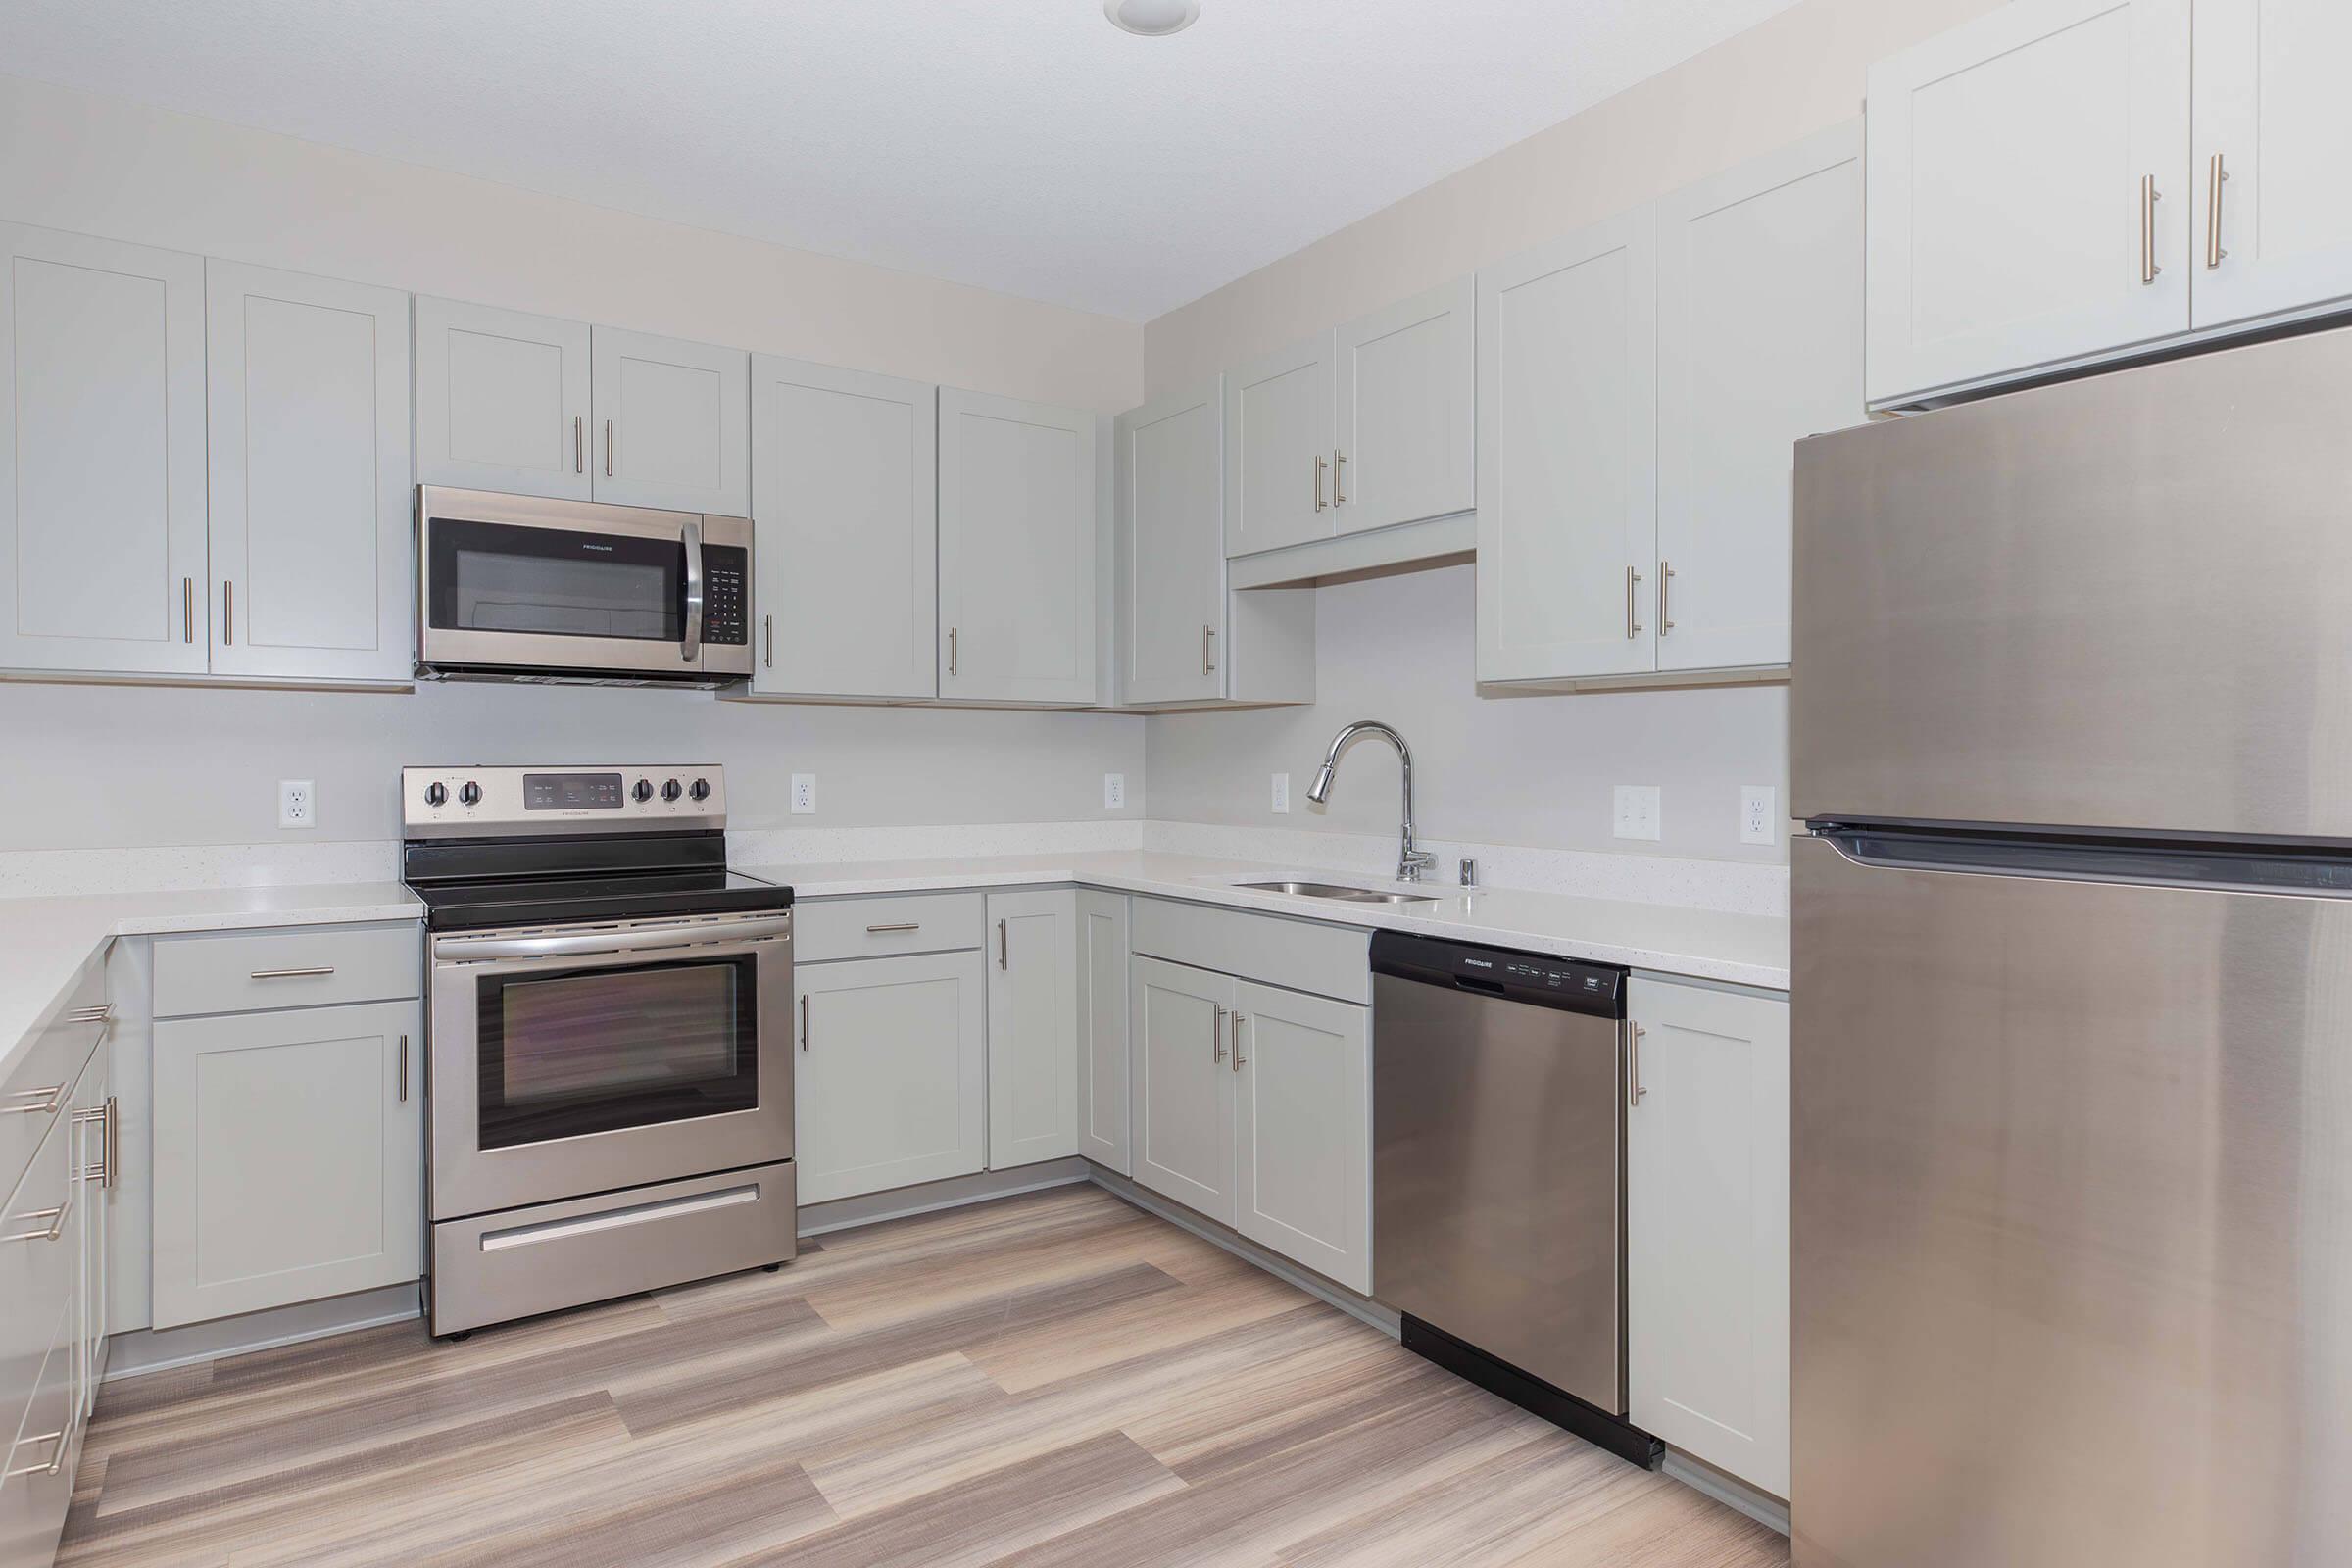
(1410,861)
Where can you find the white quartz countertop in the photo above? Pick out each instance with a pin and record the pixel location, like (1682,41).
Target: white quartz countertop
(1703,944)
(44,942)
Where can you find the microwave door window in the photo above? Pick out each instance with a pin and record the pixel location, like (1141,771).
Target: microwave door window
(548,582)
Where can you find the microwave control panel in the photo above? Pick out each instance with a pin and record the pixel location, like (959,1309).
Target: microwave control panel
(726,595)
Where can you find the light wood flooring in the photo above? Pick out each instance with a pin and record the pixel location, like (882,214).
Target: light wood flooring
(1058,1378)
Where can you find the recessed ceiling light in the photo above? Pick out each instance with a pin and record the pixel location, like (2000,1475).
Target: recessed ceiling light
(1152,18)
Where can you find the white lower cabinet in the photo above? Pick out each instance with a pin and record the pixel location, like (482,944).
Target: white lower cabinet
(1183,1093)
(1032,1027)
(890,1072)
(288,1156)
(1707,1227)
(1302,1119)
(1103,1077)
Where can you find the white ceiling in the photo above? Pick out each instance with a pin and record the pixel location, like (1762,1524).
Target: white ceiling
(1021,145)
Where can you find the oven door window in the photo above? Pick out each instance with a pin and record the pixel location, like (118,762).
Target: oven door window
(554,583)
(598,1051)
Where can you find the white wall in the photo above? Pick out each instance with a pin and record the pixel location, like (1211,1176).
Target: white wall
(1533,770)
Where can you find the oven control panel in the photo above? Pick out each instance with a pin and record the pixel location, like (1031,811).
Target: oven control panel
(479,801)
(726,595)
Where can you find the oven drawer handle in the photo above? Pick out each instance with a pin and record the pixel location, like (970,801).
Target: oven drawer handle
(294,974)
(895,925)
(649,939)
(617,1218)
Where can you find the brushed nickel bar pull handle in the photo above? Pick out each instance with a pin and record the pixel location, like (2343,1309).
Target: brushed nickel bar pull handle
(607,449)
(57,1223)
(1003,946)
(187,609)
(1339,485)
(579,447)
(292,974)
(895,925)
(53,1097)
(1632,1072)
(2217,175)
(403,1070)
(770,623)
(228,613)
(2148,197)
(1239,1019)
(1633,627)
(951,650)
(1665,588)
(1320,466)
(97,1014)
(803,1022)
(1216,1033)
(63,1438)
(112,1142)
(1209,663)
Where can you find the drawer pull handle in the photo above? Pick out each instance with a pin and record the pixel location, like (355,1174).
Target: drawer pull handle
(293,974)
(63,1438)
(51,1098)
(55,1229)
(896,926)
(97,1014)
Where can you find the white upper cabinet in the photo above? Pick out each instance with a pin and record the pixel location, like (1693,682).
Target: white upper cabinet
(1406,442)
(1279,434)
(2030,192)
(102,504)
(311,501)
(1759,345)
(845,511)
(1033,1018)
(1171,591)
(672,423)
(1016,551)
(2273,152)
(1567,454)
(502,401)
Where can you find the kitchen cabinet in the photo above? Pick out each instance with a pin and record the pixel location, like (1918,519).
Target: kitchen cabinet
(1102,1076)
(2030,192)
(890,1077)
(1016,551)
(288,1156)
(312,497)
(1759,346)
(1302,1128)
(1567,454)
(1278,442)
(1033,1027)
(502,400)
(1185,637)
(673,422)
(1707,1226)
(102,456)
(845,516)
(1406,411)
(2273,137)
(96,1127)
(1183,1093)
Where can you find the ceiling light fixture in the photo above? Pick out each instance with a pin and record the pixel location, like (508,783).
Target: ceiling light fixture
(1152,18)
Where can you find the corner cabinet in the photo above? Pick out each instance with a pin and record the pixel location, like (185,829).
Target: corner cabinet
(1708,1154)
(1033,1027)
(1016,552)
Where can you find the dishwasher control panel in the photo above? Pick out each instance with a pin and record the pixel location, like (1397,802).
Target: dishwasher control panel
(1595,988)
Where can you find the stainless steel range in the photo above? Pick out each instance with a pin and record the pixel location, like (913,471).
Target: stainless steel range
(610,1082)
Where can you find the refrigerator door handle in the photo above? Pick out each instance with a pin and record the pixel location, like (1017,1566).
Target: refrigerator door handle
(2203,865)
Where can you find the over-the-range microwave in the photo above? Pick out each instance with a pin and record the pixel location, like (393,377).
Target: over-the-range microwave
(531,589)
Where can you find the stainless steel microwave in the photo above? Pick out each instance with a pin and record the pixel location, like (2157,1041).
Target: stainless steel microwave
(527,588)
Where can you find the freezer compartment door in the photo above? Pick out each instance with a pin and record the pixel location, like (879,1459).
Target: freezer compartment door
(2117,603)
(2072,1222)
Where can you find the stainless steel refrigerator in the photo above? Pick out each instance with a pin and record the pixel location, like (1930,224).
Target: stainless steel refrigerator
(2072,736)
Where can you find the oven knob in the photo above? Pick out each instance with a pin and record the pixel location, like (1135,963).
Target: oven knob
(670,790)
(642,789)
(436,793)
(701,790)
(470,793)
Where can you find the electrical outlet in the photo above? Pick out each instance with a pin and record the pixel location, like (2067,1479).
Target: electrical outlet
(1637,811)
(1115,791)
(1756,824)
(803,794)
(1282,792)
(297,803)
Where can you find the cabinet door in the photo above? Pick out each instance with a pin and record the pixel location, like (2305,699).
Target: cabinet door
(1033,1023)
(2274,139)
(845,511)
(1016,551)
(1103,1075)
(1567,456)
(1707,1227)
(1408,412)
(1278,442)
(1759,345)
(1182,1105)
(2009,169)
(101,455)
(96,1142)
(312,499)
(289,1151)
(890,1083)
(1303,1128)
(502,400)
(673,423)
(1171,505)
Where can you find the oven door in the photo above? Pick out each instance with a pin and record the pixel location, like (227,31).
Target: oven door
(567,1062)
(526,583)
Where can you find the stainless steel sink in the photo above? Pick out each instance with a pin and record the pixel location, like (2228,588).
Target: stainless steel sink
(1332,890)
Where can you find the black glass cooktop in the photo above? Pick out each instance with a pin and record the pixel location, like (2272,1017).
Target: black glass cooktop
(461,906)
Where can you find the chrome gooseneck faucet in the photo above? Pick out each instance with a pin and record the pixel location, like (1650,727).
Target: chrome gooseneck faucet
(1410,862)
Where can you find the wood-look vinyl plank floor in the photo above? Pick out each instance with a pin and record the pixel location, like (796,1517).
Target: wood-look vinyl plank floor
(1056,1378)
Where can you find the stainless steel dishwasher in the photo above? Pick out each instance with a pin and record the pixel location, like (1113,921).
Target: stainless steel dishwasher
(1499,1084)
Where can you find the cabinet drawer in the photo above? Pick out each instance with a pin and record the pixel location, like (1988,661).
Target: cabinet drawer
(35,1092)
(866,928)
(32,1505)
(252,972)
(1328,961)
(36,1273)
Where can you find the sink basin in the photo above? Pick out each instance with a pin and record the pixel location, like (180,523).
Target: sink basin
(1332,890)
